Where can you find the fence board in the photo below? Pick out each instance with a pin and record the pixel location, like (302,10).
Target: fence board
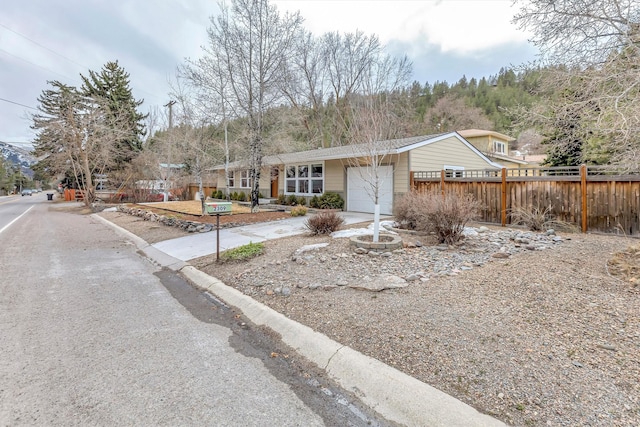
(611,200)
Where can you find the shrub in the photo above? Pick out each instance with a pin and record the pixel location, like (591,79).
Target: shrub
(220,194)
(324,223)
(404,212)
(242,197)
(445,216)
(282,199)
(242,253)
(330,201)
(292,200)
(298,211)
(536,218)
(302,201)
(234,195)
(314,202)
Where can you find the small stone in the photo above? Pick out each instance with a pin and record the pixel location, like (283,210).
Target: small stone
(577,364)
(607,347)
(551,232)
(361,251)
(418,244)
(500,395)
(373,254)
(482,229)
(500,255)
(531,247)
(386,254)
(286,292)
(412,278)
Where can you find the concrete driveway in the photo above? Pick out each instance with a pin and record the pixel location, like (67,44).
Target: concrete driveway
(202,244)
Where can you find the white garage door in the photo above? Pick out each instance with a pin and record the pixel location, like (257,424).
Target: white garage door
(359,190)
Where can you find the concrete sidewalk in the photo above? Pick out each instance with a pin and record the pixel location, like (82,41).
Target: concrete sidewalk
(394,395)
(202,244)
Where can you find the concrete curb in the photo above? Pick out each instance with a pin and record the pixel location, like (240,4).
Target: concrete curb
(393,394)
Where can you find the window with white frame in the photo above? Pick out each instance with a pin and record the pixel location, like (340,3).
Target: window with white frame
(499,147)
(245,180)
(232,179)
(304,179)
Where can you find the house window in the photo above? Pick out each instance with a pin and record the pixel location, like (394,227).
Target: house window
(232,179)
(453,171)
(304,179)
(245,181)
(499,147)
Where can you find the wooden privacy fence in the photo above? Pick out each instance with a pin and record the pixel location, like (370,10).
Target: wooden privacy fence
(592,198)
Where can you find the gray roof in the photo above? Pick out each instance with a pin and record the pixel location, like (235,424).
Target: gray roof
(392,146)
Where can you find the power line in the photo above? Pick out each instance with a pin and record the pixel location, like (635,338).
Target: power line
(43,46)
(56,53)
(34,64)
(17,103)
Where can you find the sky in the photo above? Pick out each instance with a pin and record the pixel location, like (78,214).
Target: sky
(43,40)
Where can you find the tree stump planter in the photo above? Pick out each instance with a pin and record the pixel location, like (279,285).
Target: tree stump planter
(386,243)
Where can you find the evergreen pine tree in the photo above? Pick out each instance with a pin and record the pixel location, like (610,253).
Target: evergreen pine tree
(112,84)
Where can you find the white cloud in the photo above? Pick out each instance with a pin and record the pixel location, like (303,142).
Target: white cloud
(462,26)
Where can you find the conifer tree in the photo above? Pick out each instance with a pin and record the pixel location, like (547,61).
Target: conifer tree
(113,85)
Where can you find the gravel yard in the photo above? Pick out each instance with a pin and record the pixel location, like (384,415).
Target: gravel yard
(533,329)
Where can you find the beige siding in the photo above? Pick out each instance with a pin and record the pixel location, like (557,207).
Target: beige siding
(450,152)
(334,173)
(401,173)
(221,183)
(265,181)
(482,143)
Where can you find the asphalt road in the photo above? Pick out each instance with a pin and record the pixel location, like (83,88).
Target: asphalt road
(92,333)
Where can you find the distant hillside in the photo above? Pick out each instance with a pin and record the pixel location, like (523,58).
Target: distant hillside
(18,156)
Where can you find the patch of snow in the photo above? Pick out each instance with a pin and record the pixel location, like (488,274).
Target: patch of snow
(363,231)
(469,231)
(308,248)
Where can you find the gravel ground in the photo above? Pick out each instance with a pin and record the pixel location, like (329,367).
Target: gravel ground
(532,329)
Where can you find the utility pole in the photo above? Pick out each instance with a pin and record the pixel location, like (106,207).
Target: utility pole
(168,172)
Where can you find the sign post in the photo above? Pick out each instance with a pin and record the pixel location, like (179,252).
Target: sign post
(217,209)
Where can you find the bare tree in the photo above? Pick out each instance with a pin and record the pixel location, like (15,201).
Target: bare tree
(253,44)
(452,114)
(591,111)
(77,133)
(372,121)
(305,86)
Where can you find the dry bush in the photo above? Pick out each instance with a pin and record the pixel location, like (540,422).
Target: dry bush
(445,216)
(625,265)
(324,223)
(536,218)
(404,212)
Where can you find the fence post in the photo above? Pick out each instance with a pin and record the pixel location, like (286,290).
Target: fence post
(412,184)
(442,174)
(583,188)
(503,201)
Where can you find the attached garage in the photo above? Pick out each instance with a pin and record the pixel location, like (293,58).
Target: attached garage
(359,190)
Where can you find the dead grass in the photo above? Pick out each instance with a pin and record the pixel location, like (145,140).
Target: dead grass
(625,265)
